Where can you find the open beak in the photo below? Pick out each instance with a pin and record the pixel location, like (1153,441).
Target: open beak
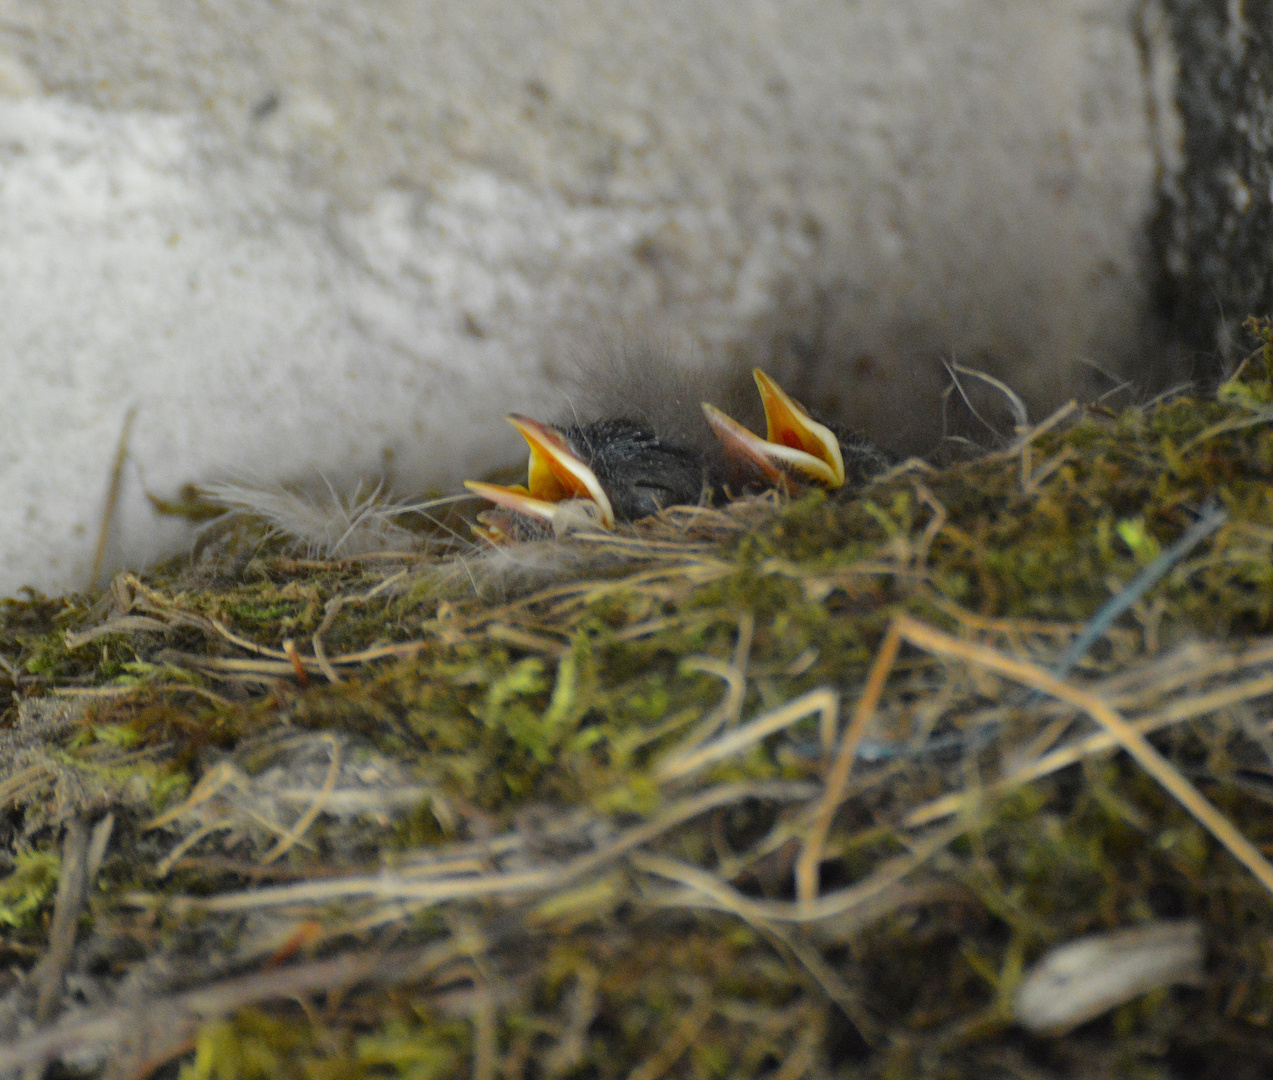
(796,446)
(555,475)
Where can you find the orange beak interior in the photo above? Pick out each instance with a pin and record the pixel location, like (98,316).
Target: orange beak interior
(796,445)
(555,474)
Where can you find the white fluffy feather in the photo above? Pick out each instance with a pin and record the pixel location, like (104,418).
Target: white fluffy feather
(318,519)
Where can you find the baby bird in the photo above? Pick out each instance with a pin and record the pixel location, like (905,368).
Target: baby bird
(797,450)
(611,470)
(595,473)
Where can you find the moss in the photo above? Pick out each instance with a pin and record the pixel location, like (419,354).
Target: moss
(259,721)
(27,887)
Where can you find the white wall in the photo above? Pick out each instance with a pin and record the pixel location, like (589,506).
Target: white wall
(307,235)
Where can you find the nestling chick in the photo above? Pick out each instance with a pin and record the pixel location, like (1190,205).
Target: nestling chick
(622,469)
(617,469)
(797,450)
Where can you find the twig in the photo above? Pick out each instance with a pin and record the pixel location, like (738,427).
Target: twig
(1097,743)
(404,887)
(110,508)
(72,888)
(824,701)
(838,776)
(1131,740)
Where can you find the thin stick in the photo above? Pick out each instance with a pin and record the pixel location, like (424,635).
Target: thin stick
(1096,743)
(72,887)
(403,887)
(823,701)
(838,778)
(1131,740)
(288,839)
(111,507)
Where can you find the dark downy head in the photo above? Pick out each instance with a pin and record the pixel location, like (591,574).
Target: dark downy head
(646,454)
(641,472)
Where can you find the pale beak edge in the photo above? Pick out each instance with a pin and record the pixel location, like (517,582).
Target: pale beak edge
(555,473)
(797,444)
(791,427)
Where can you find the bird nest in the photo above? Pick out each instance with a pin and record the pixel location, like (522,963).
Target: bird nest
(781,789)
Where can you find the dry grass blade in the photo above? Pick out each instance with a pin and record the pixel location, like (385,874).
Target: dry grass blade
(702,889)
(823,702)
(314,809)
(111,507)
(724,898)
(1099,742)
(388,886)
(842,766)
(1131,740)
(608,777)
(332,608)
(682,1038)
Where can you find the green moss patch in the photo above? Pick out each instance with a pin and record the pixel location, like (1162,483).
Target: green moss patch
(664,803)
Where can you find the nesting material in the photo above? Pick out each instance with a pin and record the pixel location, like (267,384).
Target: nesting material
(319,520)
(1085,978)
(785,787)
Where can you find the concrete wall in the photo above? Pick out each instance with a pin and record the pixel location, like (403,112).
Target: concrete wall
(299,236)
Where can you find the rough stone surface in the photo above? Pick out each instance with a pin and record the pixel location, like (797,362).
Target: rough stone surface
(1215,234)
(323,236)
